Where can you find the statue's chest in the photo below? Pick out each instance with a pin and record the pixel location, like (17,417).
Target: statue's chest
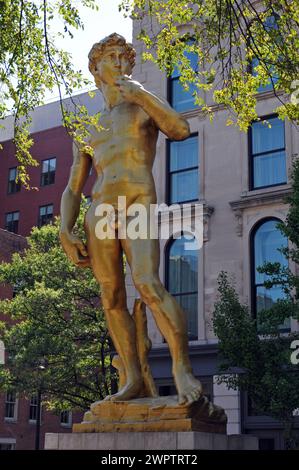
(122,121)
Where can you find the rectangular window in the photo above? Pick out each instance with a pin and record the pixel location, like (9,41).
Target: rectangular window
(13,186)
(183,174)
(45,215)
(10,406)
(33,408)
(12,221)
(267,153)
(270,25)
(180,98)
(66,418)
(48,171)
(7,443)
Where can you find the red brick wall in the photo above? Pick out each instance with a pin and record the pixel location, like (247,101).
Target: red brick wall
(24,432)
(49,143)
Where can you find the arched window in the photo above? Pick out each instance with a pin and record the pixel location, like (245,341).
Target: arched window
(266,241)
(182,278)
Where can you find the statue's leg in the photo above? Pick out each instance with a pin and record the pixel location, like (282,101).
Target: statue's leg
(143,258)
(106,262)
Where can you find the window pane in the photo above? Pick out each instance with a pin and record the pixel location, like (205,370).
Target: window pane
(269,86)
(266,298)
(189,306)
(182,267)
(45,167)
(184,186)
(52,164)
(265,139)
(33,408)
(184,154)
(267,242)
(12,174)
(268,239)
(193,58)
(181,99)
(269,169)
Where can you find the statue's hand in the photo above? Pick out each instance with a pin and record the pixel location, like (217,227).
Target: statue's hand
(75,249)
(130,90)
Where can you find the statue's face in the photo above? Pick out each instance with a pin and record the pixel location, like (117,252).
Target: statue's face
(113,64)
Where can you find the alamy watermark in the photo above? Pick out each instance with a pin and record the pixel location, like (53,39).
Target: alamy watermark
(2,353)
(295,94)
(153,221)
(295,354)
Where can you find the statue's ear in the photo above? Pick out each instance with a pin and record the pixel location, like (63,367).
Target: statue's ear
(93,68)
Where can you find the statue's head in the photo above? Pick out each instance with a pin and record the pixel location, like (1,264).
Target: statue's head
(110,58)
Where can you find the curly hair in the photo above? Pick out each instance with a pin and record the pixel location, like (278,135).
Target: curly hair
(113,39)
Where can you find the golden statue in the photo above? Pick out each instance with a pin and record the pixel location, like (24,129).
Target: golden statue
(124,152)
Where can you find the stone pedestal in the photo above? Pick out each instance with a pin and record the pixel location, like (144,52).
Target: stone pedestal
(153,415)
(115,441)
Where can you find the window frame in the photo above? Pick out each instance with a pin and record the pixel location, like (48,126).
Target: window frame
(70,419)
(250,67)
(18,219)
(14,418)
(169,244)
(17,186)
(170,173)
(47,172)
(169,90)
(39,215)
(251,156)
(253,285)
(34,420)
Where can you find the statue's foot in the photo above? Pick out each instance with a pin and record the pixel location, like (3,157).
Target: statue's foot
(188,387)
(129,391)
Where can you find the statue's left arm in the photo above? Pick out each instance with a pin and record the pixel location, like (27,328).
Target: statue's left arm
(171,123)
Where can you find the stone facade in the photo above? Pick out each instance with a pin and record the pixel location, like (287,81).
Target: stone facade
(234,211)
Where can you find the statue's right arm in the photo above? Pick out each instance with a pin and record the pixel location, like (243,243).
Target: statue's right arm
(70,207)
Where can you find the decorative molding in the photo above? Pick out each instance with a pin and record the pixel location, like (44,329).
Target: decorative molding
(177,216)
(207,212)
(256,200)
(261,199)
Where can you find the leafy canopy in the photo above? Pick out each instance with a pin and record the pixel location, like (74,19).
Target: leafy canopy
(54,321)
(241,46)
(31,64)
(256,355)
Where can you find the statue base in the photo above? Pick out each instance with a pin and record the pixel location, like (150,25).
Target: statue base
(172,441)
(159,414)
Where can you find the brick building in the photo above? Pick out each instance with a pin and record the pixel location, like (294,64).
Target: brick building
(18,415)
(20,210)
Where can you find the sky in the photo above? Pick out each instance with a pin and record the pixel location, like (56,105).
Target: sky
(97,25)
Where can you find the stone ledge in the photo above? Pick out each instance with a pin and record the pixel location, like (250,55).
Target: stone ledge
(150,441)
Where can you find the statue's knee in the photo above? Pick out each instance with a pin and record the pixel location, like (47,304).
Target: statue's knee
(149,288)
(112,297)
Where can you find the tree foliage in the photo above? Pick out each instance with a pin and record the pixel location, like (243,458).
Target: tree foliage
(54,321)
(31,64)
(241,46)
(255,363)
(256,354)
(229,36)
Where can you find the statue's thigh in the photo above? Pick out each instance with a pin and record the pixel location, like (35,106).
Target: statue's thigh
(106,261)
(142,256)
